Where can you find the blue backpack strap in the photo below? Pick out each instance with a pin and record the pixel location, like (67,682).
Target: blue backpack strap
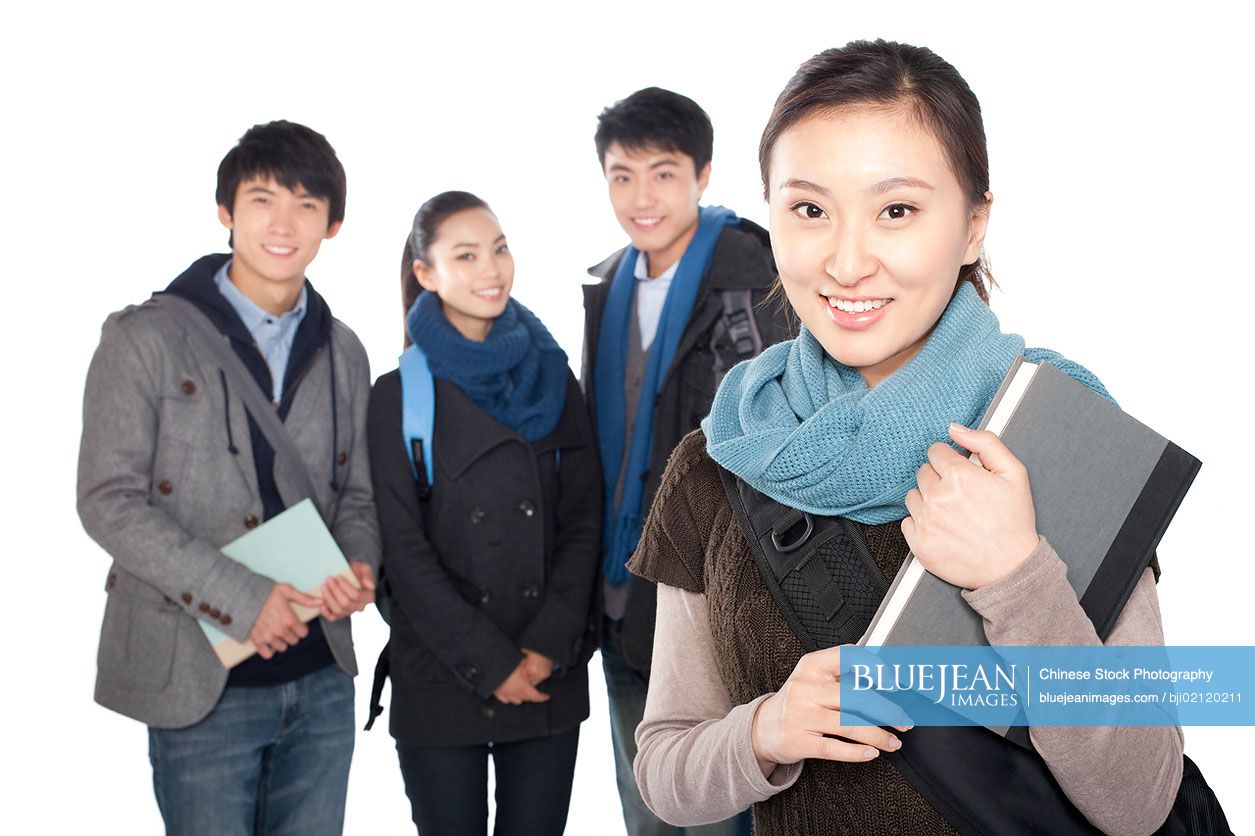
(418,415)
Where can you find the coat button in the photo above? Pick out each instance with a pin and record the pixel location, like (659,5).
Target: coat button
(478,514)
(188,387)
(169,601)
(215,613)
(531,590)
(527,508)
(204,607)
(343,458)
(225,621)
(187,597)
(484,597)
(112,580)
(250,521)
(165,487)
(470,673)
(487,712)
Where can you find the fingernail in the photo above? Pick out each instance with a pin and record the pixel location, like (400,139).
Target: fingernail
(870,753)
(895,744)
(904,728)
(959,428)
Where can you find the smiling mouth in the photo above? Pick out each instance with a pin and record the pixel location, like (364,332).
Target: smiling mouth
(649,221)
(856,306)
(275,249)
(490,294)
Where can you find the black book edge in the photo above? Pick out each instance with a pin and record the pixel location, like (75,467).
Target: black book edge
(1143,528)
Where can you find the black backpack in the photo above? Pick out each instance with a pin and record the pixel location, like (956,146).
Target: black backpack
(826,584)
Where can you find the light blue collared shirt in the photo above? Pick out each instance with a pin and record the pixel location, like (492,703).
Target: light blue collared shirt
(651,296)
(272,334)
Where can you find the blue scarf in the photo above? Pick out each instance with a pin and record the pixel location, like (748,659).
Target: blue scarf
(622,526)
(518,375)
(805,430)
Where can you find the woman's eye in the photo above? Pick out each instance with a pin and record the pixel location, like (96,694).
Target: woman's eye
(897,211)
(809,211)
(466,257)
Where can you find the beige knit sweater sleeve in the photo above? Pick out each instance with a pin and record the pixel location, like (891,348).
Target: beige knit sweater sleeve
(695,763)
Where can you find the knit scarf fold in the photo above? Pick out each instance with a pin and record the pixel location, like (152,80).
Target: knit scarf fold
(807,431)
(622,526)
(518,375)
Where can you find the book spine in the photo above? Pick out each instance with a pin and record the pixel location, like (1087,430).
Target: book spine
(1143,528)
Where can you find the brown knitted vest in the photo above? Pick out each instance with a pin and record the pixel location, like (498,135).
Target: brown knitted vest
(692,540)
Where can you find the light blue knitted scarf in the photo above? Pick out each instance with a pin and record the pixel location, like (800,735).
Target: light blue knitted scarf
(806,431)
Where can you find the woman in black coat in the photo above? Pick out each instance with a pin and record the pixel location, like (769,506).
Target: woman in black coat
(491,536)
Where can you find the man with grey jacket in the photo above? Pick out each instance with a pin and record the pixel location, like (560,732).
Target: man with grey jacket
(175,463)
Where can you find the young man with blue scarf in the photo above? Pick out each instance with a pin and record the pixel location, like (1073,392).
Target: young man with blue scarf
(672,312)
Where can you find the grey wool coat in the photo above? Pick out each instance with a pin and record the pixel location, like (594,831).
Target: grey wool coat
(159,491)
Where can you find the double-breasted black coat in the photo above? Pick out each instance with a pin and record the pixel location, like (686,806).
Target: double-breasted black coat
(501,555)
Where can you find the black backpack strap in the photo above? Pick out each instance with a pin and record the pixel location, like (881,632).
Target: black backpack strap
(737,328)
(382,668)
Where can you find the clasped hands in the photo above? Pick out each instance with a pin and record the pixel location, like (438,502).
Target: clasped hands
(520,686)
(277,626)
(970,523)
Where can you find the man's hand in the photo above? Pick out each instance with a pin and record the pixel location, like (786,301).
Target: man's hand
(340,598)
(277,628)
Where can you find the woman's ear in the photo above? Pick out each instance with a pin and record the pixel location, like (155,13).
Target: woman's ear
(978,223)
(424,275)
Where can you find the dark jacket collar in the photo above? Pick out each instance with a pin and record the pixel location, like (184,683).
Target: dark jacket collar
(196,284)
(737,264)
(474,433)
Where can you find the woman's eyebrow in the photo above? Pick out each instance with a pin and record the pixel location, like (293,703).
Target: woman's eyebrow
(894,182)
(807,185)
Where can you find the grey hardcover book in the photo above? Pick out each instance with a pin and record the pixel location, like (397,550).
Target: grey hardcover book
(1104,487)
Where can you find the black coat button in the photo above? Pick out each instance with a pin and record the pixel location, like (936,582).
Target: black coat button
(487,712)
(188,387)
(187,597)
(470,673)
(531,590)
(484,596)
(527,508)
(165,487)
(250,521)
(478,515)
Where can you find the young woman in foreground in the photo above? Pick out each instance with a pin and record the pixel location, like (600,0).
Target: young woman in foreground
(876,173)
(492,564)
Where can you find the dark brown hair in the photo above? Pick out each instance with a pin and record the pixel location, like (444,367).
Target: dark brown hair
(912,79)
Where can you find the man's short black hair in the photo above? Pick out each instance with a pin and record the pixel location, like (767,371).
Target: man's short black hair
(290,153)
(657,118)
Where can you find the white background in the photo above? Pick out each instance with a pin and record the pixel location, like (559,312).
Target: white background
(1120,149)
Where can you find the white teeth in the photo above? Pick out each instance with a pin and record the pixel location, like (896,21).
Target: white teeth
(856,307)
(647,221)
(491,293)
(270,248)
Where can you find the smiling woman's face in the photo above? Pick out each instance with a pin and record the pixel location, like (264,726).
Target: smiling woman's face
(470,268)
(869,227)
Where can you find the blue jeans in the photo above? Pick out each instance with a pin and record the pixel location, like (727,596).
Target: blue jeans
(627,688)
(267,760)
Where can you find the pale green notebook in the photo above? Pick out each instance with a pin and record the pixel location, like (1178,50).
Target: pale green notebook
(294,547)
